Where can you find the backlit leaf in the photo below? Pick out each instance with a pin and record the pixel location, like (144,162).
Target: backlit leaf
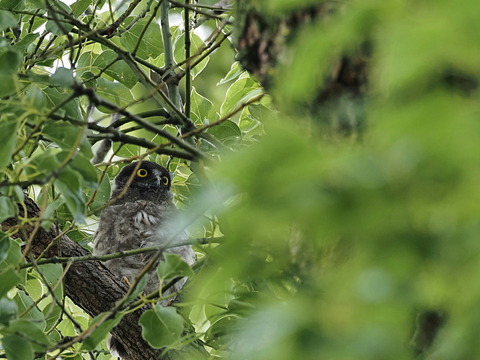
(161,326)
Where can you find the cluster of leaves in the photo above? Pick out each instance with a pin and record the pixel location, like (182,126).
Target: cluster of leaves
(343,244)
(329,250)
(74,79)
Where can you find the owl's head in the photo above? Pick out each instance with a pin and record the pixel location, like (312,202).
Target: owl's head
(146,177)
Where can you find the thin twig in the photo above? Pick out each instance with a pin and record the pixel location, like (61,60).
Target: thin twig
(120,254)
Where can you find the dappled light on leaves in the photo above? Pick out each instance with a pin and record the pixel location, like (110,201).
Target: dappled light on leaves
(323,155)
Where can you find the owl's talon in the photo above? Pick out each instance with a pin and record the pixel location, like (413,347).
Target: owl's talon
(125,281)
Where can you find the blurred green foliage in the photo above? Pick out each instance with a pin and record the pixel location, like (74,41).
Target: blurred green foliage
(343,244)
(330,248)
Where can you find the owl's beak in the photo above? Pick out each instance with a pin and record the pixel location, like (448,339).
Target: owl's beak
(158,177)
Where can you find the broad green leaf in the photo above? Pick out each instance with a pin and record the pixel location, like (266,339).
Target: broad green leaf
(235,71)
(52,314)
(12,4)
(85,63)
(69,185)
(84,167)
(80,6)
(219,333)
(25,42)
(196,43)
(9,83)
(8,209)
(118,70)
(242,90)
(102,194)
(8,137)
(71,108)
(126,150)
(151,44)
(173,267)
(14,254)
(40,341)
(63,77)
(226,131)
(6,20)
(34,98)
(52,274)
(8,310)
(8,279)
(201,107)
(161,326)
(115,92)
(65,26)
(24,303)
(62,133)
(44,163)
(17,347)
(101,331)
(48,214)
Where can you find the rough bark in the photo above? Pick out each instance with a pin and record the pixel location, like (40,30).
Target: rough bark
(89,284)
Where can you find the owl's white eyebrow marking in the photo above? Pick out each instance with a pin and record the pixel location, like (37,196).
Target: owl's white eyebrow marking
(157,172)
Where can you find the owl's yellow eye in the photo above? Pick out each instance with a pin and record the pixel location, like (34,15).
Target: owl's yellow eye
(142,172)
(165,180)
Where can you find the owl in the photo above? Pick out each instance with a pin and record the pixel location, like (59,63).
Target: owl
(137,217)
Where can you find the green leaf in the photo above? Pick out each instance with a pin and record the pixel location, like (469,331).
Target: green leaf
(85,63)
(6,20)
(202,108)
(14,254)
(52,25)
(114,92)
(161,326)
(239,92)
(235,71)
(225,131)
(69,185)
(12,4)
(80,6)
(151,44)
(8,209)
(34,315)
(71,108)
(8,310)
(119,70)
(101,196)
(173,266)
(9,85)
(34,98)
(84,167)
(8,137)
(218,333)
(48,214)
(25,42)
(8,279)
(44,163)
(4,246)
(52,314)
(62,133)
(17,347)
(52,273)
(63,77)
(101,331)
(40,341)
(10,61)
